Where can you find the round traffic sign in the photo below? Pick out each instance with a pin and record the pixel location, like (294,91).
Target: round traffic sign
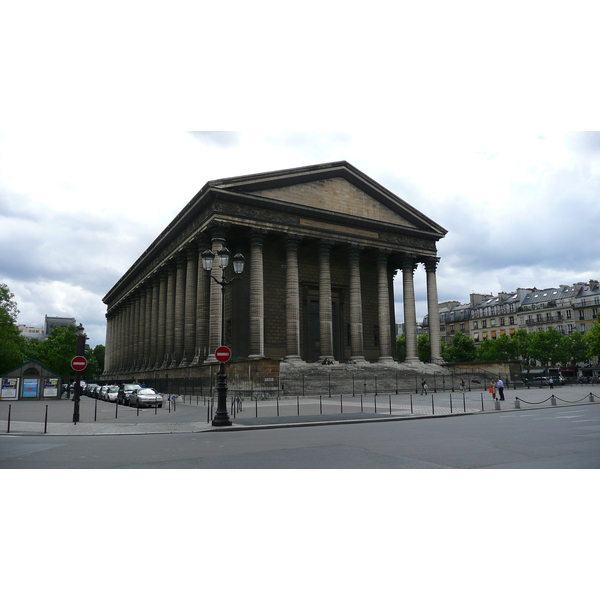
(79,363)
(223,354)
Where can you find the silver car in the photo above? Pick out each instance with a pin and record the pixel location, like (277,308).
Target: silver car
(145,397)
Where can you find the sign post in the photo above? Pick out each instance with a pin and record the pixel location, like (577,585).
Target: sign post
(78,364)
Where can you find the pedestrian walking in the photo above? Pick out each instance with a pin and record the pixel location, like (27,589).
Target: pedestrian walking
(462,384)
(500,387)
(423,387)
(492,389)
(239,399)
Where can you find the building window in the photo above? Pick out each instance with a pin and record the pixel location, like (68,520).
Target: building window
(502,321)
(475,325)
(484,323)
(581,315)
(511,320)
(569,314)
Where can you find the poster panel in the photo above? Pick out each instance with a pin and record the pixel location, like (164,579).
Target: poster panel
(50,387)
(30,388)
(10,385)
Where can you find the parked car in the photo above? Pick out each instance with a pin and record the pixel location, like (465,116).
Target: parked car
(145,397)
(111,393)
(125,390)
(92,390)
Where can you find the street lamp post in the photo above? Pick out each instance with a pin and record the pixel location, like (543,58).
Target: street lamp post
(81,337)
(222,417)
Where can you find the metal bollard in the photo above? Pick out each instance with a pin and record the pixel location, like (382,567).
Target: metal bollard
(553,400)
(592,397)
(517,403)
(46,420)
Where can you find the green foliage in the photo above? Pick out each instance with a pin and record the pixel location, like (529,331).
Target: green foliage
(592,337)
(546,347)
(576,348)
(401,347)
(58,349)
(12,343)
(462,349)
(521,341)
(424,348)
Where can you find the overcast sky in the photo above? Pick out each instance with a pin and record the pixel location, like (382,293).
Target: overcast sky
(458,111)
(521,209)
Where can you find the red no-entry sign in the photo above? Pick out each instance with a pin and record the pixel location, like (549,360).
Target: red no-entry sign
(223,354)
(79,363)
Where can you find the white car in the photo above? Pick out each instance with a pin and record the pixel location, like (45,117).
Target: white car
(145,397)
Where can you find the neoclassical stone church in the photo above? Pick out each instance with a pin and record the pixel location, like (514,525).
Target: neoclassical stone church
(321,244)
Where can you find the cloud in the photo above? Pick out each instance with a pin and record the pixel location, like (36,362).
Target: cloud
(222,139)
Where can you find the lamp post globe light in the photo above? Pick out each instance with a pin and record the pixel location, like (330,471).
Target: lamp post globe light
(208,257)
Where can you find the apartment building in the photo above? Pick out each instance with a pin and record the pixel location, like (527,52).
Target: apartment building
(567,308)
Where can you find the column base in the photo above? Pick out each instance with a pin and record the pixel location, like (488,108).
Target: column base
(385,359)
(295,359)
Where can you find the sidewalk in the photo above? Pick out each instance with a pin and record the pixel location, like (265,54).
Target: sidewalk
(190,415)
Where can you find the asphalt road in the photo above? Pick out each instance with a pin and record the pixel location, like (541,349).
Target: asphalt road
(555,438)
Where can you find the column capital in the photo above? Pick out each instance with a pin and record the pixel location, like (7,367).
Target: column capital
(409,262)
(431,264)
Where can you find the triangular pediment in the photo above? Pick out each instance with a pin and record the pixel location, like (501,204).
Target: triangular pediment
(336,195)
(333,187)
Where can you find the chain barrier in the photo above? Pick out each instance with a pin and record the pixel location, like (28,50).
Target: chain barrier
(526,402)
(553,397)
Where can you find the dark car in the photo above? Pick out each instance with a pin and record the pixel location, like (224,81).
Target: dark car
(145,397)
(125,391)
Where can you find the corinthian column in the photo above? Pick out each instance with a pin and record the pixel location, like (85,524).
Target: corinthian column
(191,289)
(356,320)
(292,303)
(325,302)
(410,311)
(202,306)
(161,321)
(170,316)
(215,324)
(257,298)
(383,295)
(433,310)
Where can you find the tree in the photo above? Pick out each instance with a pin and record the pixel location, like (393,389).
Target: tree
(58,349)
(592,337)
(462,349)
(576,348)
(424,348)
(522,341)
(546,347)
(401,347)
(11,341)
